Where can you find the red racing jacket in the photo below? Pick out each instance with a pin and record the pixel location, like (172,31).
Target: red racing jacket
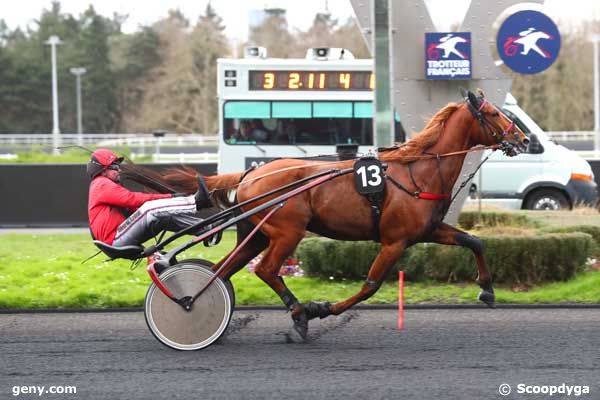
(105,199)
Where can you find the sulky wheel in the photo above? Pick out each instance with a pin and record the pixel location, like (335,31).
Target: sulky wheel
(200,263)
(197,328)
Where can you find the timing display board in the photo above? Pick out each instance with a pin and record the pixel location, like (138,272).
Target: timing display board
(311,80)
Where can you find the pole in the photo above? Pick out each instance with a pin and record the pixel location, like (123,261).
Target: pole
(479,195)
(53,41)
(158,135)
(78,72)
(79,129)
(400,300)
(595,40)
(383,119)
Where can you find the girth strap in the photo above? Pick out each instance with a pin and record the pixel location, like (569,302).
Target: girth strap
(369,181)
(376,199)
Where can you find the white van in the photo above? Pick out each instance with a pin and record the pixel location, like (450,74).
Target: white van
(546,177)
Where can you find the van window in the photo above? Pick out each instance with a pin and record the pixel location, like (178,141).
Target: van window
(298,122)
(517,121)
(535,147)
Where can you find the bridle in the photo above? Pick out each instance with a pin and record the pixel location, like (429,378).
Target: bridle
(486,126)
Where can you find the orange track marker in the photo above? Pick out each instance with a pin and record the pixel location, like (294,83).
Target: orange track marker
(400,300)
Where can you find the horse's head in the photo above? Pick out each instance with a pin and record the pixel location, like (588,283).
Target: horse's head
(495,127)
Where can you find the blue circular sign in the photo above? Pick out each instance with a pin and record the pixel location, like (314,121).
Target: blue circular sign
(528,42)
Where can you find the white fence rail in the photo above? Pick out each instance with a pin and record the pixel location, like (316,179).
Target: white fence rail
(147,144)
(110,139)
(178,140)
(571,136)
(142,144)
(201,158)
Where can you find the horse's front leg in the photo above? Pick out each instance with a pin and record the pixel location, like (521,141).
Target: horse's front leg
(385,259)
(447,234)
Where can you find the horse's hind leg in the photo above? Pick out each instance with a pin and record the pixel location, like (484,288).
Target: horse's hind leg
(447,234)
(268,271)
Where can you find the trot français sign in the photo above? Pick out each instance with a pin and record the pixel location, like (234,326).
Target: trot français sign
(448,55)
(528,42)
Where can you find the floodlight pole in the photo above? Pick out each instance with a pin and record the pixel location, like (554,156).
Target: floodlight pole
(595,40)
(53,41)
(78,72)
(383,118)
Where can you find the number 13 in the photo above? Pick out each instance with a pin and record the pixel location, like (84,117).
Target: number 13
(373,172)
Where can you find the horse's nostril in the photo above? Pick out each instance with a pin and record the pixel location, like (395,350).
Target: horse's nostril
(526,141)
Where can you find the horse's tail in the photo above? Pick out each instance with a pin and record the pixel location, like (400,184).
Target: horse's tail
(183,180)
(173,180)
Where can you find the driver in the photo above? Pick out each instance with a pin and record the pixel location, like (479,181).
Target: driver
(120,217)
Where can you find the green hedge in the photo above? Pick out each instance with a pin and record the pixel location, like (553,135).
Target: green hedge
(527,259)
(592,230)
(490,219)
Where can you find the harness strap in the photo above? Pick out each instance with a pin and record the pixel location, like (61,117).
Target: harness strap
(466,181)
(419,194)
(376,199)
(412,178)
(246,172)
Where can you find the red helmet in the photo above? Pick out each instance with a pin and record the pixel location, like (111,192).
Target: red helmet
(100,161)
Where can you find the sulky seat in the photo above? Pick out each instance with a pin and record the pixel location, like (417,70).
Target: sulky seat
(128,252)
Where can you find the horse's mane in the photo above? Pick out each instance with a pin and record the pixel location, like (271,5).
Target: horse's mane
(411,150)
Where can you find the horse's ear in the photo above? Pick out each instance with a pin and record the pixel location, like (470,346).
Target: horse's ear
(473,100)
(470,96)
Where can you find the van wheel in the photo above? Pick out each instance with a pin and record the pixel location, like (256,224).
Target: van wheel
(547,199)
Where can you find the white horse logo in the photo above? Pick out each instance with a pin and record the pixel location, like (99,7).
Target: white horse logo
(529,39)
(448,44)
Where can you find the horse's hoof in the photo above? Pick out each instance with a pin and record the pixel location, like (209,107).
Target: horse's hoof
(488,298)
(314,309)
(301,324)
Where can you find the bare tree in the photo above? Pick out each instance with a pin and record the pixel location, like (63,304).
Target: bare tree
(326,32)
(208,43)
(180,93)
(273,34)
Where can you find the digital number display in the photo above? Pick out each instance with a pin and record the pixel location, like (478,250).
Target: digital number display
(311,80)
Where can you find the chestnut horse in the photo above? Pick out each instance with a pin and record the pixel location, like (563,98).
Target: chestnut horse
(430,162)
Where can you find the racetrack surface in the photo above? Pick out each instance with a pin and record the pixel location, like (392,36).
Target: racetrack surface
(442,354)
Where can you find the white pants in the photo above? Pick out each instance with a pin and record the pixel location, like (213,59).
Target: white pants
(156,216)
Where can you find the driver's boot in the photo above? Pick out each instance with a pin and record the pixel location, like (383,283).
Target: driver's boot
(202,196)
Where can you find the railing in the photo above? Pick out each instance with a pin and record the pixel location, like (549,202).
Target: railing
(183,158)
(189,146)
(110,139)
(172,139)
(571,136)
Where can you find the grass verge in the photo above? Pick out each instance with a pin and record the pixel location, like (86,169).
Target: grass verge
(45,271)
